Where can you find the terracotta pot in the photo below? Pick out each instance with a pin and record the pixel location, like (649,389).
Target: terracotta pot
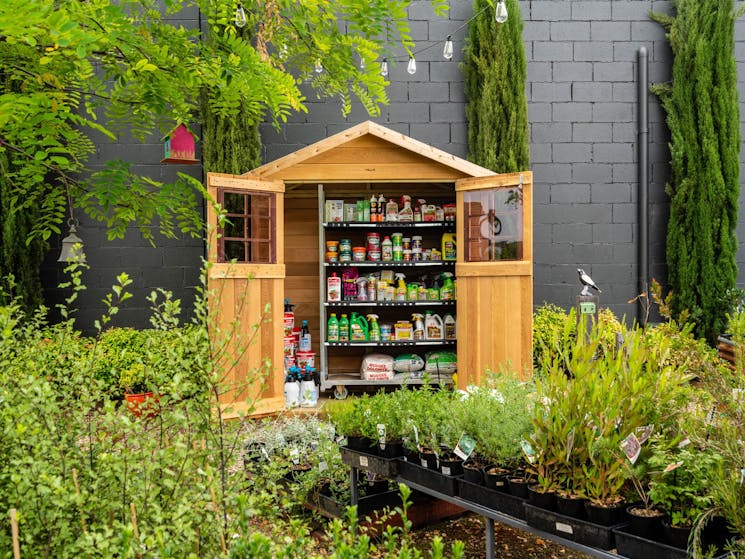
(142,405)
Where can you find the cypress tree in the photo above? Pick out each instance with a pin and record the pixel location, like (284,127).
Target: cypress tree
(495,75)
(704,121)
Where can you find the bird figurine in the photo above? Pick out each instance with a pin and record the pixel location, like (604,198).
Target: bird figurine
(587,282)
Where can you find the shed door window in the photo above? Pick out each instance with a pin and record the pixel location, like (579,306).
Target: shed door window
(248,234)
(493,222)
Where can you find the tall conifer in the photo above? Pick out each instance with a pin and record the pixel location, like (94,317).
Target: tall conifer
(495,76)
(704,121)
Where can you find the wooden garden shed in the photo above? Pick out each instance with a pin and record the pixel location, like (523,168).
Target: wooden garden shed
(272,249)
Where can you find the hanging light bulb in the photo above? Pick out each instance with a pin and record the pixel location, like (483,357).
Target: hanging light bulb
(319,67)
(240,16)
(447,51)
(362,63)
(384,68)
(500,13)
(411,68)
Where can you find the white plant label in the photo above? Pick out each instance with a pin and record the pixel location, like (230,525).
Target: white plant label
(671,467)
(465,447)
(643,433)
(742,476)
(381,435)
(445,471)
(684,443)
(295,456)
(570,443)
(566,528)
(528,450)
(322,466)
(631,447)
(363,461)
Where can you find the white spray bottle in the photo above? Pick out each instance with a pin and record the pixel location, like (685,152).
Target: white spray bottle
(418,320)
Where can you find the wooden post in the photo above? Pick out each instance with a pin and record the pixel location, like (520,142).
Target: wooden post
(587,313)
(133,515)
(14,534)
(77,492)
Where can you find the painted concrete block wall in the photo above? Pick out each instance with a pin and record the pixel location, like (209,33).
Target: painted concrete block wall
(582,91)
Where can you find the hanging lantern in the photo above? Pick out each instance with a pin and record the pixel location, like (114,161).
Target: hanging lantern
(179,147)
(72,246)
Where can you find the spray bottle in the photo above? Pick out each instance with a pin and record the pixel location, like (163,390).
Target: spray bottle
(418,321)
(401,287)
(447,291)
(292,388)
(433,294)
(374,327)
(308,389)
(362,288)
(358,328)
(305,341)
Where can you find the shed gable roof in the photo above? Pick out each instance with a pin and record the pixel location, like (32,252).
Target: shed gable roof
(369,152)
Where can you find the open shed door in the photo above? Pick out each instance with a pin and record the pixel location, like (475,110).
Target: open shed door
(246,284)
(494,270)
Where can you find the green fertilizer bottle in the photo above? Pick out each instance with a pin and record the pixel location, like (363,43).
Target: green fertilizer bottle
(332,328)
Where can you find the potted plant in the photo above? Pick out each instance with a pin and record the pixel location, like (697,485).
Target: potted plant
(137,383)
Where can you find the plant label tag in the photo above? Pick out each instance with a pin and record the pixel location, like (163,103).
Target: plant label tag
(570,443)
(738,395)
(671,467)
(445,471)
(643,433)
(341,440)
(363,461)
(465,447)
(528,450)
(295,456)
(322,466)
(381,435)
(313,445)
(416,434)
(587,307)
(264,452)
(711,415)
(370,476)
(631,447)
(684,443)
(566,528)
(742,476)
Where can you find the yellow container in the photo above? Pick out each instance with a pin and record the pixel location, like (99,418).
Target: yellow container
(448,246)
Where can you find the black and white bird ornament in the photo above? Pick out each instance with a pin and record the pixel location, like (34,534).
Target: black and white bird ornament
(587,282)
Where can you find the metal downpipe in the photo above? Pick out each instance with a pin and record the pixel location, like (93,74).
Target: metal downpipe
(643,177)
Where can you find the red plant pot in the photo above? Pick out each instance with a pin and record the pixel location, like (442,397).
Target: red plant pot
(142,405)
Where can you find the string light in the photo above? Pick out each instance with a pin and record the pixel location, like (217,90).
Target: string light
(447,51)
(240,16)
(411,67)
(319,67)
(500,13)
(384,68)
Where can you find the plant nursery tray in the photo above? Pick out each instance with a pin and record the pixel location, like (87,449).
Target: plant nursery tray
(365,505)
(387,467)
(432,479)
(492,499)
(580,531)
(635,547)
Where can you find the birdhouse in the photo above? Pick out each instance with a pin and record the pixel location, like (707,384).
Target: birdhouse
(178,146)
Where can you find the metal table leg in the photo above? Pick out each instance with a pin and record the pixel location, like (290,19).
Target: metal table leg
(489,536)
(353,485)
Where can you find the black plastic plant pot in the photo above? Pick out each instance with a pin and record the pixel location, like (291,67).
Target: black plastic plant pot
(411,455)
(645,522)
(542,499)
(518,486)
(605,515)
(359,443)
(496,478)
(428,459)
(473,473)
(676,536)
(571,505)
(391,449)
(451,465)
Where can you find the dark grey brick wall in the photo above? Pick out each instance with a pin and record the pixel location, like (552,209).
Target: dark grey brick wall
(582,65)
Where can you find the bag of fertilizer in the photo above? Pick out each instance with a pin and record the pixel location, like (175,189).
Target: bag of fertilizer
(377,366)
(408,363)
(443,362)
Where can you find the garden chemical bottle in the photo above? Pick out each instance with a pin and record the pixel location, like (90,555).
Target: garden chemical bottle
(308,389)
(433,293)
(447,291)
(292,388)
(304,343)
(433,326)
(418,320)
(372,293)
(358,328)
(374,327)
(333,289)
(406,213)
(362,288)
(401,287)
(381,208)
(289,318)
(373,208)
(386,249)
(343,328)
(450,326)
(448,246)
(332,328)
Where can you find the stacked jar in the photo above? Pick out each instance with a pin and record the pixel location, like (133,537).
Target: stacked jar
(373,247)
(398,248)
(332,251)
(416,248)
(345,250)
